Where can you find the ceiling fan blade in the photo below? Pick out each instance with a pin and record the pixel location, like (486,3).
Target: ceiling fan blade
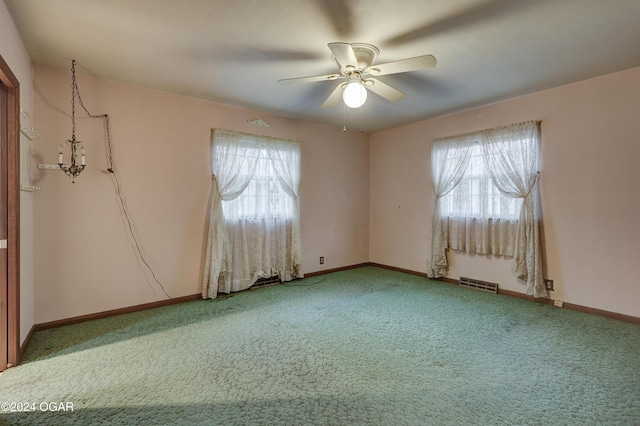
(340,14)
(465,17)
(403,65)
(344,54)
(384,90)
(334,97)
(328,77)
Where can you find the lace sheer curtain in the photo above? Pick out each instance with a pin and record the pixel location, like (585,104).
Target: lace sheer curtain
(449,161)
(254,229)
(511,155)
(480,218)
(493,204)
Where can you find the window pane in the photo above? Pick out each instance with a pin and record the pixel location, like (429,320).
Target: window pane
(263,198)
(477,197)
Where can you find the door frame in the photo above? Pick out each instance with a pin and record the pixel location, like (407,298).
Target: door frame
(11,298)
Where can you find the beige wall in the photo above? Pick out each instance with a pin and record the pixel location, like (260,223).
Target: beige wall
(161,148)
(589,187)
(15,55)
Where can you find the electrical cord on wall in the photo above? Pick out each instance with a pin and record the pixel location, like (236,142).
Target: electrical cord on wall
(110,169)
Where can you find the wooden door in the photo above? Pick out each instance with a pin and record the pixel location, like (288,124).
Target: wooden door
(4,289)
(9,218)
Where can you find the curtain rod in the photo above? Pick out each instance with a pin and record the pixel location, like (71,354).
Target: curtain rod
(253,135)
(478,132)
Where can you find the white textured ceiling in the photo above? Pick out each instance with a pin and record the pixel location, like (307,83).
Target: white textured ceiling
(235,51)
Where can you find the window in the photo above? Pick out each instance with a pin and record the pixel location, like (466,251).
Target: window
(263,197)
(254,229)
(476,196)
(487,199)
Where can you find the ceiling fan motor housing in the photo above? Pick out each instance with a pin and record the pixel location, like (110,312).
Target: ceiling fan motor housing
(365,53)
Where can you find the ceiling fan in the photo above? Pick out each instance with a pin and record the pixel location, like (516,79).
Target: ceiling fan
(355,64)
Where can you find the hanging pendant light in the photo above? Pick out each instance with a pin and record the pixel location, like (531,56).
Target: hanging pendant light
(74,169)
(354,95)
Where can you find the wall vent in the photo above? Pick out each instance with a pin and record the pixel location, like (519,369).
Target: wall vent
(479,285)
(267,281)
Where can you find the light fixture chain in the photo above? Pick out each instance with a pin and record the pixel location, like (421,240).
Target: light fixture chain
(74,89)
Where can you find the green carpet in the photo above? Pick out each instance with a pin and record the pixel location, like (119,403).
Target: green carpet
(366,346)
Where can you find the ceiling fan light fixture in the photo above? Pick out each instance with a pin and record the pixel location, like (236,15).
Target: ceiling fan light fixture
(354,62)
(354,95)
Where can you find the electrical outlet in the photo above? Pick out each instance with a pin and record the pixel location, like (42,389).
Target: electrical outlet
(558,303)
(548,284)
(322,260)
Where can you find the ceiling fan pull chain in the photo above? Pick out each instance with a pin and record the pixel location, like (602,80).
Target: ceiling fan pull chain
(344,117)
